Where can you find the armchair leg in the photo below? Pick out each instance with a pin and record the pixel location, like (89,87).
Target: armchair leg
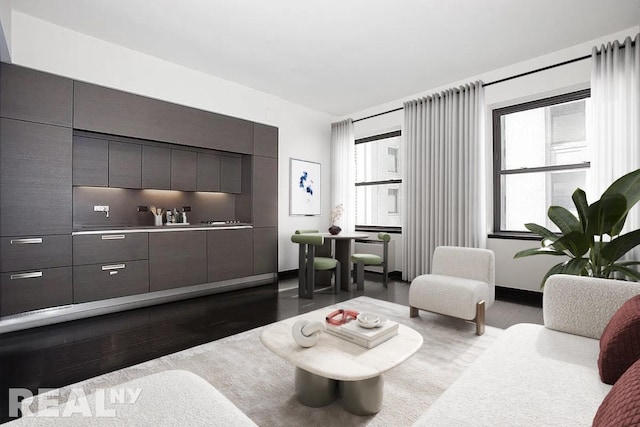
(413,312)
(360,276)
(480,317)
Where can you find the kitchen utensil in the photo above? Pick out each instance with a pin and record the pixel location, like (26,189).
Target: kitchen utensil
(153,210)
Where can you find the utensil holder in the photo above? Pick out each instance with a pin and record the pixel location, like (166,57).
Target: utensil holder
(157,219)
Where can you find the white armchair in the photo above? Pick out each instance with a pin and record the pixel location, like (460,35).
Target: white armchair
(461,284)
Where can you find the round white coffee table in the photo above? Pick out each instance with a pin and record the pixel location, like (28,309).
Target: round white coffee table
(335,367)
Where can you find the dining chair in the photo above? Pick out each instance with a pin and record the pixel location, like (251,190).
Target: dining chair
(360,260)
(309,263)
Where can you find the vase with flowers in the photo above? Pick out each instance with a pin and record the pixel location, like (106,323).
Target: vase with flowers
(334,215)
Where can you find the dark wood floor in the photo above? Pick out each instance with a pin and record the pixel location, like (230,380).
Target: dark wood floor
(58,355)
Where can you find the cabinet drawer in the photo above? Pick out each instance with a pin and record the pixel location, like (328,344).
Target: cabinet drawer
(33,252)
(99,248)
(102,281)
(32,290)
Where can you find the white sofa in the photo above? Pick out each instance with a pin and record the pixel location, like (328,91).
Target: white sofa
(537,375)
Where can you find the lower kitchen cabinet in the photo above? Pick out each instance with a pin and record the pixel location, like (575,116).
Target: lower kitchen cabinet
(101,281)
(265,250)
(33,290)
(229,254)
(177,259)
(34,252)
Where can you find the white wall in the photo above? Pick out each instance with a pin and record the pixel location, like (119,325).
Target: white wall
(303,133)
(525,273)
(5,30)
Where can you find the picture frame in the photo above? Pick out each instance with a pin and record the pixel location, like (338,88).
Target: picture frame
(304,187)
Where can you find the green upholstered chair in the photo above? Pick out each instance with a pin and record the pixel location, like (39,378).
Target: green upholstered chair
(360,260)
(309,263)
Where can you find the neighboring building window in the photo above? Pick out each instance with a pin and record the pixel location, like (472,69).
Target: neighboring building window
(540,158)
(378,180)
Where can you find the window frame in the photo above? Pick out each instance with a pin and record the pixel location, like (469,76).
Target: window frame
(377,137)
(498,172)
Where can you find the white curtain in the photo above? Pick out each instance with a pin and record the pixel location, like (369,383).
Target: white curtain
(614,132)
(342,172)
(443,176)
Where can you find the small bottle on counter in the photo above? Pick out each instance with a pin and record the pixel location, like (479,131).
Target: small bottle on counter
(169,215)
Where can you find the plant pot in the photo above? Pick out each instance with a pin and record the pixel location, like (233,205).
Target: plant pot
(334,229)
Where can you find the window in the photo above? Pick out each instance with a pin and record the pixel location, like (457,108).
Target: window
(540,158)
(378,181)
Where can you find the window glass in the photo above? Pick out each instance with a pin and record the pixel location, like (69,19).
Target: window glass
(543,157)
(378,205)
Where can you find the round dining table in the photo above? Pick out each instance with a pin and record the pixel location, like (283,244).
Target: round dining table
(343,253)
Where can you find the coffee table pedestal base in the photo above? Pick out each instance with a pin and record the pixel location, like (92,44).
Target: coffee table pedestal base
(358,397)
(362,397)
(313,390)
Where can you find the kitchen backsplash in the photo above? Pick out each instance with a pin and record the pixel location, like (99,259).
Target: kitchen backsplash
(123,204)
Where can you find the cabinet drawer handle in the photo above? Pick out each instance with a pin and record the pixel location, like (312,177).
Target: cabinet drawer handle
(113,267)
(113,236)
(26,241)
(31,275)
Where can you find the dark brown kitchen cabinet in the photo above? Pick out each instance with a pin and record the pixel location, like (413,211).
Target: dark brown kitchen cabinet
(34,252)
(90,161)
(125,165)
(35,289)
(35,178)
(183,170)
(265,191)
(101,281)
(156,167)
(265,140)
(114,112)
(230,174)
(177,259)
(265,250)
(229,254)
(208,178)
(109,247)
(35,96)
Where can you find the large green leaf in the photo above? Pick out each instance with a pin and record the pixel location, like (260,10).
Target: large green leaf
(575,242)
(576,267)
(605,213)
(541,231)
(556,269)
(564,219)
(579,198)
(629,187)
(537,251)
(619,246)
(629,272)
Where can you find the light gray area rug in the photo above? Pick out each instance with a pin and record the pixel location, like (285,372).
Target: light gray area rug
(261,384)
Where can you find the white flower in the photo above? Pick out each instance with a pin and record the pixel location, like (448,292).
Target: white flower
(336,213)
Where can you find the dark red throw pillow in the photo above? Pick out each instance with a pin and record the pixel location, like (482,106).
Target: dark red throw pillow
(621,407)
(620,342)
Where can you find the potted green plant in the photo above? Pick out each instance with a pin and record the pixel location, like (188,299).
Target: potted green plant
(592,240)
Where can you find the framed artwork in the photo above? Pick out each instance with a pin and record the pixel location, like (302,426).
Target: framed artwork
(304,187)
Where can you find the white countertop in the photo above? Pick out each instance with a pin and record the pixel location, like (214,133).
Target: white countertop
(336,358)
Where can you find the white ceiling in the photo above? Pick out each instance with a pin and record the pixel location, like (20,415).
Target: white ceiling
(341,56)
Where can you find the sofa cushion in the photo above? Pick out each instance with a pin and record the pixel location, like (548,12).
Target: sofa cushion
(531,376)
(621,407)
(620,341)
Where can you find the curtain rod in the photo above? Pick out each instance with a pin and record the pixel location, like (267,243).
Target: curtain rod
(537,70)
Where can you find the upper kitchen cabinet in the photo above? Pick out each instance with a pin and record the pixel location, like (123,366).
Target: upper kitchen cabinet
(230,174)
(90,161)
(156,167)
(125,165)
(110,111)
(35,96)
(183,170)
(35,178)
(208,172)
(265,140)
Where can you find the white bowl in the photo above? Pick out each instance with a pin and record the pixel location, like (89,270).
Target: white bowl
(370,320)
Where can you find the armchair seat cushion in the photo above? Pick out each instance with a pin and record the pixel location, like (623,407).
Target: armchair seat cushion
(452,296)
(323,263)
(366,259)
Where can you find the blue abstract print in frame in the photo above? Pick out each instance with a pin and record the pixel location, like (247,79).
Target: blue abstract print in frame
(304,187)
